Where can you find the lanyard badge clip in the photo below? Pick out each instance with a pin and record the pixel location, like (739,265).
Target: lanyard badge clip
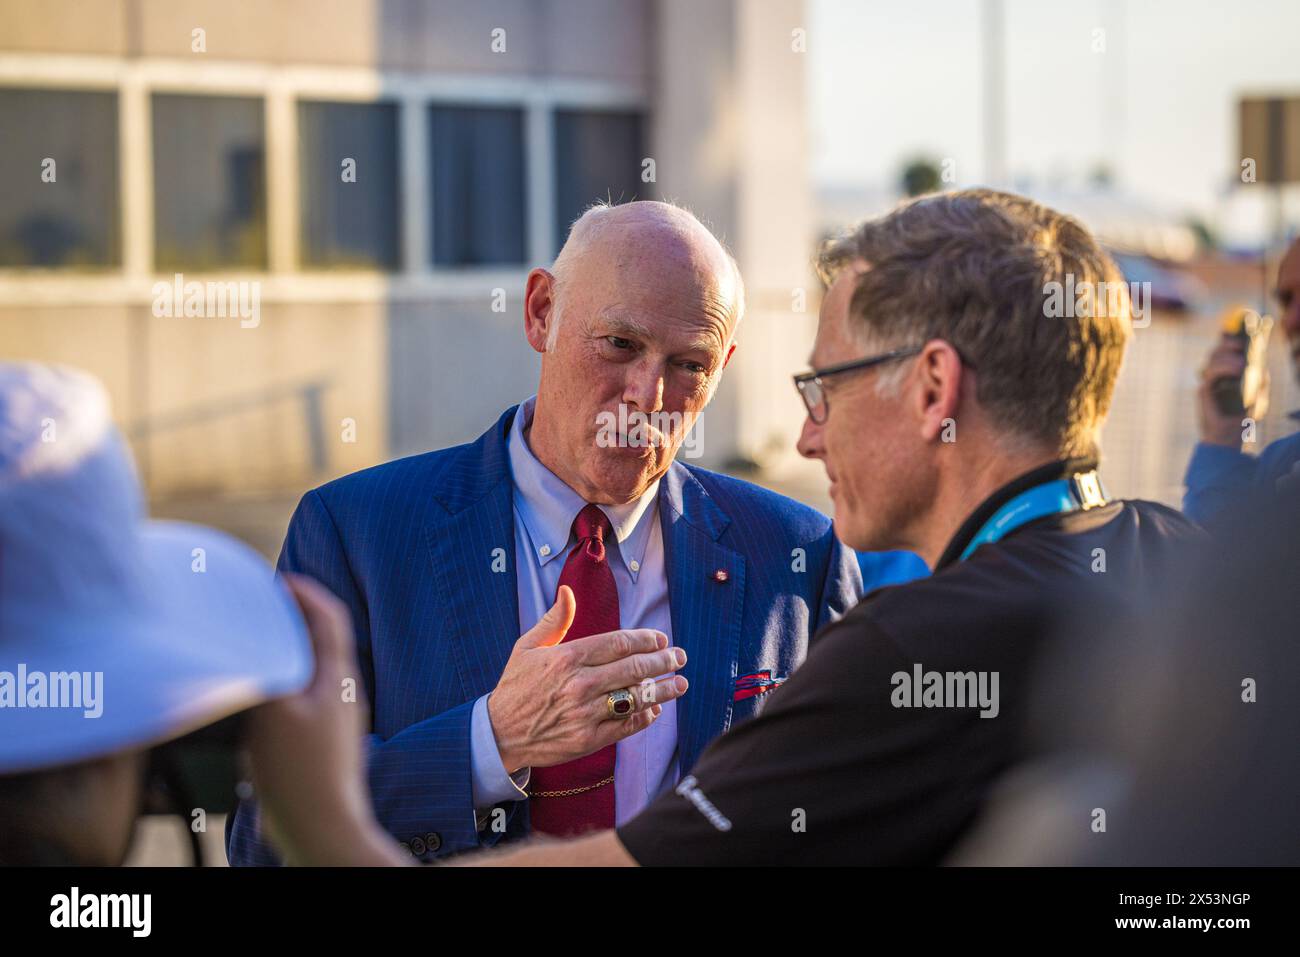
(1087,489)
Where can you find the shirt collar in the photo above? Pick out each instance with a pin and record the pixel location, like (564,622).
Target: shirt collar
(1063,468)
(547,506)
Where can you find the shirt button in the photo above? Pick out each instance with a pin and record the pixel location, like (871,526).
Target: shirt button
(418,846)
(544,550)
(434,840)
(634,565)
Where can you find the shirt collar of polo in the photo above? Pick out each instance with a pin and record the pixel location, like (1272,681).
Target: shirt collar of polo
(547,506)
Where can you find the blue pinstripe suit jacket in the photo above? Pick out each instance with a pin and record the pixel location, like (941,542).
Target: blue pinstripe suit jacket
(410,547)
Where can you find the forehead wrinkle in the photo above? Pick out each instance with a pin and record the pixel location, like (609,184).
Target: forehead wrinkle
(713,335)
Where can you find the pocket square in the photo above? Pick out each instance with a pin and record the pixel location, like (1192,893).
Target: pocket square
(760,682)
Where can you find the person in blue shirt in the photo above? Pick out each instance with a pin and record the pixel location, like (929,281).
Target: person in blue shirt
(1219,472)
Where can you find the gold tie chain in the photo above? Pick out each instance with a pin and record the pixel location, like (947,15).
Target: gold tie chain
(568,792)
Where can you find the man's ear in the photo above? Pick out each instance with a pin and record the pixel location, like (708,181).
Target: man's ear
(539,308)
(939,372)
(731,349)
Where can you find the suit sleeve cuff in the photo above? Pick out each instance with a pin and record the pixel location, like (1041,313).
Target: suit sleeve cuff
(491,782)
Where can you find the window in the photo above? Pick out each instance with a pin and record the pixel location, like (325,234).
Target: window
(597,158)
(349,184)
(479,203)
(209,166)
(58,179)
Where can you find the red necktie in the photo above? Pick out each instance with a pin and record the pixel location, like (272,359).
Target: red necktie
(578,796)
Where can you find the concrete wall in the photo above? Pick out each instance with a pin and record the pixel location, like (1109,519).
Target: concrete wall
(555,38)
(732,148)
(211,407)
(454,366)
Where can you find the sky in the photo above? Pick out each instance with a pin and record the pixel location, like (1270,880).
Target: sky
(1156,103)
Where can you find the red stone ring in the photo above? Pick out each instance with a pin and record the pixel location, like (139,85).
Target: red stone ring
(620,703)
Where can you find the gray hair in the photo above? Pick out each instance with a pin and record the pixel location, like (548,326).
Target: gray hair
(586,230)
(974,268)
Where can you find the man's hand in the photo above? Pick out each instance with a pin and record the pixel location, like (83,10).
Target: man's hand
(308,762)
(549,706)
(1226,361)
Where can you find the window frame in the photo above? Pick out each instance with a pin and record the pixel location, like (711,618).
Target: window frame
(280,88)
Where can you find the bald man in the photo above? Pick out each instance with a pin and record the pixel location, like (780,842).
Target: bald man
(1220,473)
(659,604)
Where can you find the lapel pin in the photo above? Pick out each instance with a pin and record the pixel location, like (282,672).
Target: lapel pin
(720,576)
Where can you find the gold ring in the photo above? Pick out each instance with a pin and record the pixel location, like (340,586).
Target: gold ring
(620,703)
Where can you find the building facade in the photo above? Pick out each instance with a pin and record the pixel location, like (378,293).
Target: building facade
(292,237)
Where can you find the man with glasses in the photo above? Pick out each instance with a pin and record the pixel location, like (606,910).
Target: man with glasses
(958,418)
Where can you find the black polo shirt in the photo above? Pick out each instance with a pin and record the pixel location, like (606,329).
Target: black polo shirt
(882,747)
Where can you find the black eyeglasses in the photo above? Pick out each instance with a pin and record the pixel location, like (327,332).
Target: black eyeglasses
(812,387)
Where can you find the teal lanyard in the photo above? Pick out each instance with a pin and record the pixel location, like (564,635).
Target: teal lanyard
(1057,497)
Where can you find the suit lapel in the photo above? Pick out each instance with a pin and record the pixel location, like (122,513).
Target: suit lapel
(705,608)
(472,546)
